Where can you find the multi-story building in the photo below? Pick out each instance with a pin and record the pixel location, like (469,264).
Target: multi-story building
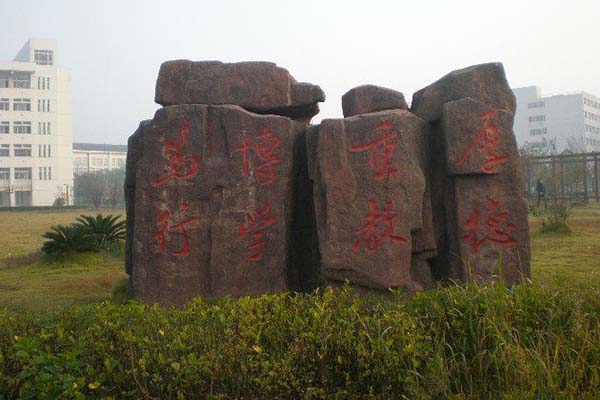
(90,157)
(552,124)
(36,136)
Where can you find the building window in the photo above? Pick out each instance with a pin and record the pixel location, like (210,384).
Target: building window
(48,105)
(537,118)
(43,57)
(5,127)
(536,104)
(22,105)
(3,81)
(540,131)
(23,173)
(4,150)
(4,105)
(48,83)
(50,173)
(49,150)
(22,127)
(22,150)
(4,174)
(40,176)
(48,128)
(22,81)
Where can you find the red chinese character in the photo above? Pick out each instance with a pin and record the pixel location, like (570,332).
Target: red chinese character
(488,138)
(255,227)
(164,227)
(369,233)
(180,166)
(264,149)
(380,151)
(493,224)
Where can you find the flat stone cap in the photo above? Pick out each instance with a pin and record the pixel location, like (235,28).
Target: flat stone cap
(370,98)
(484,82)
(260,87)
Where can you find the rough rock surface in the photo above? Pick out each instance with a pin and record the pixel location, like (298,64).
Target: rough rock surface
(485,82)
(369,189)
(485,210)
(210,187)
(260,87)
(370,98)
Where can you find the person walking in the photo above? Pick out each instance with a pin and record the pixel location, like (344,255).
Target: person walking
(541,192)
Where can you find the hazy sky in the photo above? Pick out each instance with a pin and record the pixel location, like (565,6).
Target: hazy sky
(114,48)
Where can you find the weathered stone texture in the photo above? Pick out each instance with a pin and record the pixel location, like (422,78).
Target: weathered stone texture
(370,98)
(368,205)
(261,87)
(222,258)
(485,82)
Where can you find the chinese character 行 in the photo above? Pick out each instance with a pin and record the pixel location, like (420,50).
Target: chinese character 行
(180,165)
(164,227)
(370,234)
(264,148)
(495,232)
(380,151)
(487,140)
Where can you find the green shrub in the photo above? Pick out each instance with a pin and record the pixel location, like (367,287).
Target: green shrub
(461,342)
(67,240)
(555,219)
(107,230)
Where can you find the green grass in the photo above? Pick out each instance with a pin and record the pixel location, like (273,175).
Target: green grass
(538,341)
(568,259)
(29,281)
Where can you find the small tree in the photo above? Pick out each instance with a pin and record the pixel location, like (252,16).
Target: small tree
(90,187)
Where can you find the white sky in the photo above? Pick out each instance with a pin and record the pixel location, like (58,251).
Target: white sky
(114,48)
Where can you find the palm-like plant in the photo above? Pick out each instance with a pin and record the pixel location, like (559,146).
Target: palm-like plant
(64,240)
(105,229)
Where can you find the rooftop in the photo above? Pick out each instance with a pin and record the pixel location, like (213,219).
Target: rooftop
(120,148)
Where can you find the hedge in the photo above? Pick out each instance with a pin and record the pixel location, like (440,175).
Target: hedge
(459,342)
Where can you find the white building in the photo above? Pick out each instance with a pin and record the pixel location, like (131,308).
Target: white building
(90,157)
(552,124)
(36,135)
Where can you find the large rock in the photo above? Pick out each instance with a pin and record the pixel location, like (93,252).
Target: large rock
(370,98)
(485,82)
(485,227)
(209,197)
(261,87)
(369,191)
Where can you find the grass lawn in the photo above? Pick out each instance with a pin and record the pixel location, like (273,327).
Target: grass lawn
(28,281)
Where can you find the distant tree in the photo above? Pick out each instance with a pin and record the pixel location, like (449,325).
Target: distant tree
(100,188)
(90,188)
(115,195)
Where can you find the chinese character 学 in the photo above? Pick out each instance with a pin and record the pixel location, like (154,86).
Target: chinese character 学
(380,151)
(180,165)
(378,229)
(165,226)
(255,229)
(265,147)
(497,230)
(486,140)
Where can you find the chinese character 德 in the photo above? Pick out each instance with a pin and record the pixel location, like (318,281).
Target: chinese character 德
(487,140)
(165,227)
(495,233)
(264,148)
(180,165)
(370,234)
(380,151)
(254,228)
